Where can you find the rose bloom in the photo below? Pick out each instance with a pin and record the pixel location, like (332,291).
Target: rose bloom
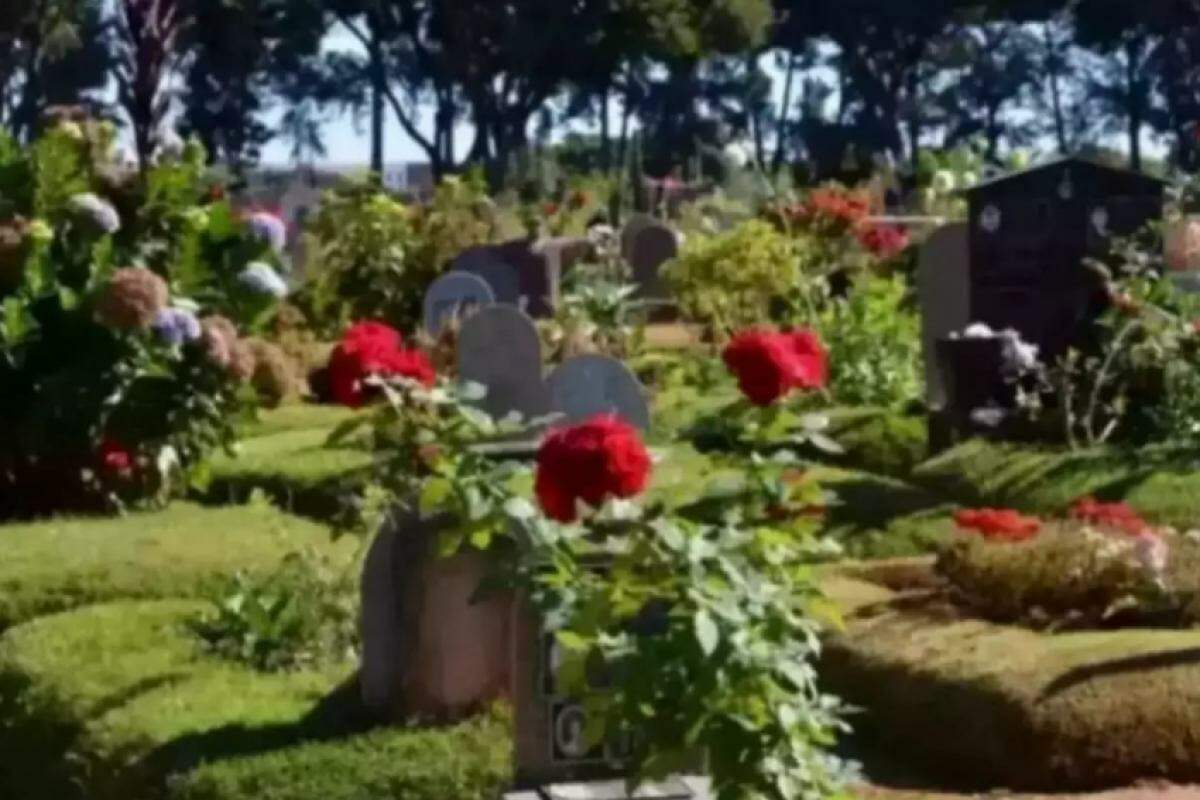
(598,459)
(998,524)
(770,365)
(549,209)
(372,349)
(1109,515)
(115,458)
(884,241)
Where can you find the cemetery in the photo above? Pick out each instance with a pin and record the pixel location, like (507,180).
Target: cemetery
(589,472)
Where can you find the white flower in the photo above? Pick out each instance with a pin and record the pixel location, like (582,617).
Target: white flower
(988,417)
(978,330)
(1019,356)
(97,210)
(261,278)
(269,229)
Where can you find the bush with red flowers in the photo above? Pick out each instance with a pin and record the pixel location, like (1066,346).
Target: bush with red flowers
(998,524)
(372,349)
(883,241)
(591,462)
(769,365)
(1117,516)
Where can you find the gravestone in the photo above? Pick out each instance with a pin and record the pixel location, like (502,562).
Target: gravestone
(454,294)
(587,385)
(489,263)
(653,246)
(499,347)
(629,232)
(559,255)
(943,293)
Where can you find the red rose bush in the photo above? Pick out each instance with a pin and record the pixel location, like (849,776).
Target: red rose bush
(769,366)
(591,462)
(372,349)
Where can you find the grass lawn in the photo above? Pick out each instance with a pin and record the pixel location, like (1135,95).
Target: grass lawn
(59,564)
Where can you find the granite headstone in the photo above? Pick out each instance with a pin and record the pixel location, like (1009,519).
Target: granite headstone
(944,295)
(454,294)
(653,246)
(587,385)
(489,263)
(499,347)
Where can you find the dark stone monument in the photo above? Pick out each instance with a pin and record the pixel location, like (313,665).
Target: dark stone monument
(499,347)
(587,385)
(653,246)
(489,263)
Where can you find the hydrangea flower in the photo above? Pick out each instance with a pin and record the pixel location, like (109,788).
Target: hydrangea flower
(132,299)
(269,229)
(176,327)
(97,211)
(261,278)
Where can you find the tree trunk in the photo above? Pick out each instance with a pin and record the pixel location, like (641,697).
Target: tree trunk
(378,77)
(781,128)
(1060,126)
(1134,97)
(605,133)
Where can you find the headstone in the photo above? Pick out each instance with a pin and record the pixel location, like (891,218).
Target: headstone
(560,255)
(535,293)
(629,232)
(944,295)
(499,347)
(487,262)
(587,385)
(653,246)
(454,294)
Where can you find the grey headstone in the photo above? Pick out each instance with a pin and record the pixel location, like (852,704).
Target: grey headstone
(488,263)
(944,295)
(499,347)
(587,385)
(653,246)
(454,293)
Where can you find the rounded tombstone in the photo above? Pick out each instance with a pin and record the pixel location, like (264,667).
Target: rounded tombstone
(489,263)
(653,246)
(629,231)
(500,349)
(454,294)
(587,385)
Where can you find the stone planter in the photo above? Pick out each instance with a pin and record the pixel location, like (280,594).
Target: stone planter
(1007,706)
(430,648)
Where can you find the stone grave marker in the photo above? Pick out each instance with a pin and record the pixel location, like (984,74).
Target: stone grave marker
(587,385)
(944,293)
(499,347)
(558,254)
(653,246)
(455,293)
(488,262)
(633,226)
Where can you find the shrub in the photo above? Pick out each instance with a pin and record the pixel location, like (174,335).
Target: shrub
(875,344)
(739,278)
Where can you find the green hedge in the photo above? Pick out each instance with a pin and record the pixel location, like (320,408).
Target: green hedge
(59,564)
(471,761)
(116,702)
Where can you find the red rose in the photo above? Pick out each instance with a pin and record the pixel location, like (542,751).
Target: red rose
(600,458)
(372,349)
(769,365)
(1110,515)
(115,458)
(998,524)
(884,241)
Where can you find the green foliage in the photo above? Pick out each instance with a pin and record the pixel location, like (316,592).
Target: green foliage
(597,311)
(1075,576)
(372,257)
(468,761)
(738,279)
(874,344)
(715,609)
(303,613)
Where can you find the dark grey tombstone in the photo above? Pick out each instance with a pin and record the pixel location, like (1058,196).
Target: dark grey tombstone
(587,385)
(499,347)
(633,226)
(944,296)
(455,293)
(653,246)
(488,262)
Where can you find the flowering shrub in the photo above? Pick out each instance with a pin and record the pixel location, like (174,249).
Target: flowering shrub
(998,524)
(372,350)
(1117,516)
(590,462)
(111,387)
(1077,574)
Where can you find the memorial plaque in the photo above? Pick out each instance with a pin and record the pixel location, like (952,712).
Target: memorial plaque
(653,246)
(943,295)
(488,262)
(499,347)
(454,294)
(587,385)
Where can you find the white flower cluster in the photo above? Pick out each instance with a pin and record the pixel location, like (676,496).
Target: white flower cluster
(1019,356)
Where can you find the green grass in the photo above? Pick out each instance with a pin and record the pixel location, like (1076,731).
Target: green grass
(59,564)
(116,702)
(1006,706)
(298,416)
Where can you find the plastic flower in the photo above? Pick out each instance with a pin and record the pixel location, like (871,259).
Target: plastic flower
(269,229)
(97,211)
(132,300)
(770,365)
(1119,516)
(998,524)
(372,349)
(601,458)
(176,326)
(261,278)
